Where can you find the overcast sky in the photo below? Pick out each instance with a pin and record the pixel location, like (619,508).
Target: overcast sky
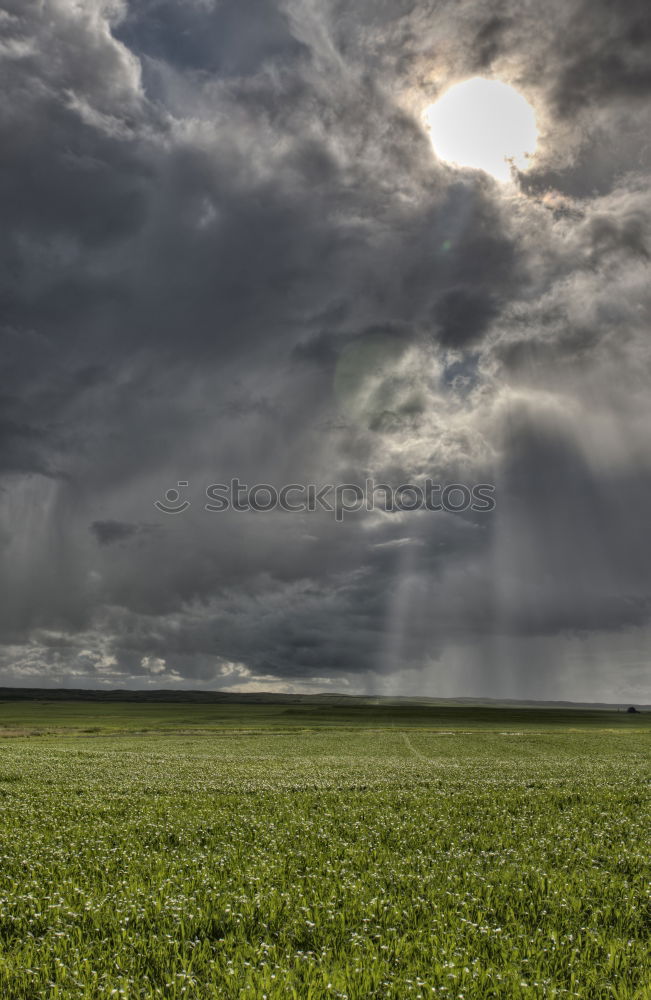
(229,250)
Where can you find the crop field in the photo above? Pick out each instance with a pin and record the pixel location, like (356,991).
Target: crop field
(192,851)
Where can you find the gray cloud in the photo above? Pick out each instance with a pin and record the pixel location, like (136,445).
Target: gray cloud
(228,250)
(113,532)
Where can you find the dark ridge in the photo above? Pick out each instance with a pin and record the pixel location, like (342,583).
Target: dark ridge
(270,698)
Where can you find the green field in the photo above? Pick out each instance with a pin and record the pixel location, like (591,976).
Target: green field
(204,851)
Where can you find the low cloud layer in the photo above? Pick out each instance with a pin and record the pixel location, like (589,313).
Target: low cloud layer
(228,251)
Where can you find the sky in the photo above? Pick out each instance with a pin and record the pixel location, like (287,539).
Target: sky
(229,250)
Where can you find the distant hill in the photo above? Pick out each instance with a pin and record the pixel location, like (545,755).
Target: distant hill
(270,698)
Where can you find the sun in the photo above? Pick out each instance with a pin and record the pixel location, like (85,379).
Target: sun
(483,124)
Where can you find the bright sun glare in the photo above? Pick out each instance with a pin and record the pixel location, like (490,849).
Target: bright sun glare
(483,124)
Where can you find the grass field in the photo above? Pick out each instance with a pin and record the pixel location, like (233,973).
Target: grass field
(192,851)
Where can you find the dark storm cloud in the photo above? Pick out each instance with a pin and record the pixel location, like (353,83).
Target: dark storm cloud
(112,532)
(228,39)
(228,250)
(549,482)
(607,57)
